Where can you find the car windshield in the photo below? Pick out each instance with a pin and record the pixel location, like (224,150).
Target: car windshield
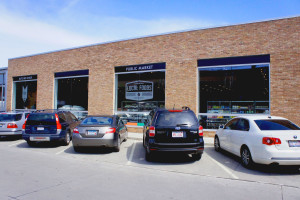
(41,119)
(275,124)
(176,119)
(97,121)
(10,117)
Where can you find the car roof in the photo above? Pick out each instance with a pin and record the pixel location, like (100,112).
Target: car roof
(15,112)
(113,116)
(50,111)
(260,117)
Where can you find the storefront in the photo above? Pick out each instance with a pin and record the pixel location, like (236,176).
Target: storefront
(219,73)
(71,92)
(24,92)
(139,89)
(233,86)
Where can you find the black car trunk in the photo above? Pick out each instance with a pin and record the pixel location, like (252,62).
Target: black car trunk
(178,134)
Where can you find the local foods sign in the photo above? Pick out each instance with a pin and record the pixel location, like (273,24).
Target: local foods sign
(139,90)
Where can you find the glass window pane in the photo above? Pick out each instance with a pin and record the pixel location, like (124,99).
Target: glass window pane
(26,95)
(72,93)
(140,91)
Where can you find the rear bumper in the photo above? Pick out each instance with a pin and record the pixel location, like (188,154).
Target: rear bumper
(106,141)
(282,157)
(14,132)
(177,147)
(52,137)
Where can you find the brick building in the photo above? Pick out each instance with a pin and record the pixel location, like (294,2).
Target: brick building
(218,72)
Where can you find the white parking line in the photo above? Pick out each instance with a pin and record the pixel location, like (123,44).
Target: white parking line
(63,150)
(131,153)
(224,168)
(16,143)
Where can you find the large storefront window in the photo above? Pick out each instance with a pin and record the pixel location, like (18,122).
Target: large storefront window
(71,89)
(139,89)
(231,90)
(25,92)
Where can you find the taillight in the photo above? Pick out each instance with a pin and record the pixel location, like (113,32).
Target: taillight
(24,125)
(12,125)
(111,130)
(58,125)
(76,131)
(271,141)
(151,131)
(200,130)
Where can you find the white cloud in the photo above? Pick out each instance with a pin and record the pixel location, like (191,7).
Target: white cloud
(34,30)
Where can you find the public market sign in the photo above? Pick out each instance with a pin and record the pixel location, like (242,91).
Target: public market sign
(139,90)
(25,78)
(143,67)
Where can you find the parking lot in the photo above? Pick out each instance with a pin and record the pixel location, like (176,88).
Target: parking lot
(19,160)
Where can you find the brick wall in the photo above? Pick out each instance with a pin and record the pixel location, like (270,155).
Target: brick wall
(180,51)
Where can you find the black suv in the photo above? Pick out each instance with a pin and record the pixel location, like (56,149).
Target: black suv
(49,125)
(173,130)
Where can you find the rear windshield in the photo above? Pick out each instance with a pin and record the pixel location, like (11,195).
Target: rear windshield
(10,117)
(176,119)
(276,124)
(97,121)
(41,119)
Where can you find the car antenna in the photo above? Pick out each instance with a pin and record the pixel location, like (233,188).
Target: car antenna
(174,106)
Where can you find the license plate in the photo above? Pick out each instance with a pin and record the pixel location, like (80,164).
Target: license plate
(92,132)
(40,128)
(39,139)
(294,143)
(177,134)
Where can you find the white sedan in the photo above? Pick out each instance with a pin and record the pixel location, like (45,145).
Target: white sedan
(260,139)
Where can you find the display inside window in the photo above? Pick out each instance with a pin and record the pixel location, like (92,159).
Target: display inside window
(25,95)
(72,93)
(232,90)
(140,92)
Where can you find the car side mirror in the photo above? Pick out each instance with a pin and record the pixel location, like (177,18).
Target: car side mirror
(221,126)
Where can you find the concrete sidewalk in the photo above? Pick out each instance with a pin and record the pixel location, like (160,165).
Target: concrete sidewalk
(139,136)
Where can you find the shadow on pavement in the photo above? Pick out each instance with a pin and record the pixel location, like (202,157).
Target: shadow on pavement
(89,150)
(233,162)
(40,145)
(159,158)
(10,138)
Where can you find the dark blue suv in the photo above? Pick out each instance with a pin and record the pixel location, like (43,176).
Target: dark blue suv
(49,125)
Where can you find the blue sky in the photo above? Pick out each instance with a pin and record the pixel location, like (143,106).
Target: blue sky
(35,26)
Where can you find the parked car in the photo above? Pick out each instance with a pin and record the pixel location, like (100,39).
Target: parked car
(11,123)
(173,130)
(100,131)
(260,139)
(49,125)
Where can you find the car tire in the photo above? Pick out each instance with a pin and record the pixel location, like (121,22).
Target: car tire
(197,156)
(148,156)
(246,158)
(217,144)
(30,143)
(67,139)
(76,149)
(118,147)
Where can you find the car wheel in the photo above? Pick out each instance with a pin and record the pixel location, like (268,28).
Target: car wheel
(76,149)
(197,156)
(217,144)
(246,157)
(30,143)
(67,139)
(117,148)
(148,155)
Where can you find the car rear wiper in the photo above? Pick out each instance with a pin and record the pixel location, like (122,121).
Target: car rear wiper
(183,125)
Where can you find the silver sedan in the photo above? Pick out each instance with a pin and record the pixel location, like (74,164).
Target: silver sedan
(100,131)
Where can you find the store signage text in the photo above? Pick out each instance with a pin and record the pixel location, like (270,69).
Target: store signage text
(139,90)
(142,67)
(25,78)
